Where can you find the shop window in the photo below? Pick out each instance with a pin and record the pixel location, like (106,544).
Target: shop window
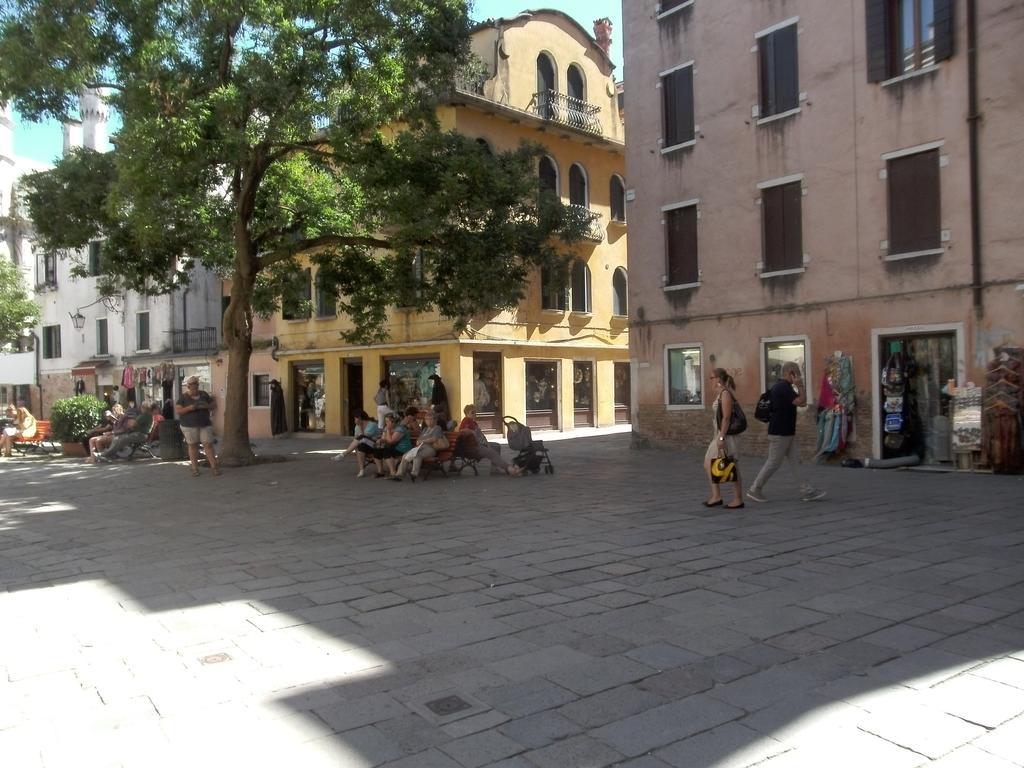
(622,393)
(261,390)
(617,198)
(578,186)
(914,209)
(410,381)
(51,342)
(778,83)
(681,245)
(95,247)
(310,396)
(542,393)
(141,331)
(781,217)
(580,287)
(777,352)
(677,107)
(487,389)
(906,36)
(101,337)
(583,393)
(620,305)
(552,292)
(683,381)
(548,173)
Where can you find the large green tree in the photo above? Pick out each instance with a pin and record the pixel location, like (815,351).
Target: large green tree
(18,310)
(256,134)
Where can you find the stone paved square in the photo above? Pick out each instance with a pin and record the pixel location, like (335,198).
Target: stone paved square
(292,614)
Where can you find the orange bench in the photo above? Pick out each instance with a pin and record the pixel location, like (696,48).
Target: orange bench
(458,454)
(38,441)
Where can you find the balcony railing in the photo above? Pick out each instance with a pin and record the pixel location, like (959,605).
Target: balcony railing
(594,231)
(567,110)
(195,340)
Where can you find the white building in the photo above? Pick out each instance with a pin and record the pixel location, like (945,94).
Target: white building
(129,347)
(17,364)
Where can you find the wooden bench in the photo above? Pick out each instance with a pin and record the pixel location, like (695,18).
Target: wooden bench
(459,454)
(38,441)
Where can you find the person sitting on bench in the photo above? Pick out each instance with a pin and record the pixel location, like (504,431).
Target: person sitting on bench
(479,448)
(137,426)
(24,426)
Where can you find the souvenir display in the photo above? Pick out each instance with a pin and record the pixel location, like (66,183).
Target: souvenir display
(1002,433)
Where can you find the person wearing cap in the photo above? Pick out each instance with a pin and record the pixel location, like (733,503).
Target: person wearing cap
(193,410)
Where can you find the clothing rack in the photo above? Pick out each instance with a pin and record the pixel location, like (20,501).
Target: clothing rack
(1002,435)
(836,403)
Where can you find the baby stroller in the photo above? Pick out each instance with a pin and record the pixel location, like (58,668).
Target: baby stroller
(531,454)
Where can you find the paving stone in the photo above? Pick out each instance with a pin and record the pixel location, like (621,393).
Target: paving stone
(924,730)
(540,729)
(481,748)
(729,746)
(575,752)
(662,656)
(666,724)
(595,675)
(970,756)
(607,706)
(1004,741)
(978,700)
(1009,671)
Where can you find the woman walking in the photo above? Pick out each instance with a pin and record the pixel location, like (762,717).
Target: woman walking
(722,443)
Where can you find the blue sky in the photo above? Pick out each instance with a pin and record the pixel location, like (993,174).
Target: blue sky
(44,141)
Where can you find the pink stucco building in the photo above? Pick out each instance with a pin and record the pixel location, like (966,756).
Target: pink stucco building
(807,178)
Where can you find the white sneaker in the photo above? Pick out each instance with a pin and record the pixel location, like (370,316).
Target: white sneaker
(362,473)
(338,457)
(813,495)
(755,495)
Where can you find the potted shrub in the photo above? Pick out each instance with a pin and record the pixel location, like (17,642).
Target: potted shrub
(71,418)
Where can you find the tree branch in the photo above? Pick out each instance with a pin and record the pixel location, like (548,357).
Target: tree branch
(286,252)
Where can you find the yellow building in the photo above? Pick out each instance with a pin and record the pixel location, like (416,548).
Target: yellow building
(557,361)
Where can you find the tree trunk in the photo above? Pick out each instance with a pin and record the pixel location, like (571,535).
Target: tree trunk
(235,448)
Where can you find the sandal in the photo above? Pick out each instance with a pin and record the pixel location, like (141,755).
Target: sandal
(712,503)
(217,472)
(195,473)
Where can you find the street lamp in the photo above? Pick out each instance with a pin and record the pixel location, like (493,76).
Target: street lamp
(78,320)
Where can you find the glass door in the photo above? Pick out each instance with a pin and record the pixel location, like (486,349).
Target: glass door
(583,393)
(487,390)
(542,394)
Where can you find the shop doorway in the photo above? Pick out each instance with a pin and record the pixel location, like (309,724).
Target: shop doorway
(914,416)
(487,390)
(622,393)
(309,400)
(353,401)
(583,393)
(542,394)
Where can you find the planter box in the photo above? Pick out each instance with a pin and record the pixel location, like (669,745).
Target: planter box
(73,450)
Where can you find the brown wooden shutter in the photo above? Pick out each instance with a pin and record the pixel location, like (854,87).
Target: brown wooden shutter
(876,32)
(787,82)
(944,29)
(772,214)
(678,103)
(577,187)
(681,226)
(914,203)
(792,197)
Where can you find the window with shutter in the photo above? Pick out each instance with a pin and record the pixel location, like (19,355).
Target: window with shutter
(677,106)
(681,245)
(580,287)
(94,257)
(914,204)
(141,330)
(578,186)
(548,175)
(783,240)
(904,36)
(617,198)
(779,84)
(620,300)
(101,337)
(552,294)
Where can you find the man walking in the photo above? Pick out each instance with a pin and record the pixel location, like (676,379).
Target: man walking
(788,393)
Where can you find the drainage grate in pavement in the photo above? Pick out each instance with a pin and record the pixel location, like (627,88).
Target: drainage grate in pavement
(214,658)
(448,705)
(443,707)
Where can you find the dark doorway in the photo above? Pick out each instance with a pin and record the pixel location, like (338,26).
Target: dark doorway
(353,401)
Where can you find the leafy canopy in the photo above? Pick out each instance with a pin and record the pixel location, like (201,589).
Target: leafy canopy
(18,310)
(252,134)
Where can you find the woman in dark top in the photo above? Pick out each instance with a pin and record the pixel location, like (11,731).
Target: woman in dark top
(439,398)
(278,421)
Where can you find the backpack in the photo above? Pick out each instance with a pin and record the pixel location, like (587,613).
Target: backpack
(763,411)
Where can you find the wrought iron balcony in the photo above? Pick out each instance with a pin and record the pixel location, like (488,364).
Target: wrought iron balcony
(195,340)
(594,232)
(567,110)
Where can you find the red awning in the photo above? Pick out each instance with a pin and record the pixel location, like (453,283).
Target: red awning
(88,367)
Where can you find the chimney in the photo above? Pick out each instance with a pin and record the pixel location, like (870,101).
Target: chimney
(603,33)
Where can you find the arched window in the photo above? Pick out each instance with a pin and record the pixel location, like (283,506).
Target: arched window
(620,303)
(546,85)
(574,83)
(578,186)
(580,287)
(548,175)
(552,296)
(485,146)
(617,198)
